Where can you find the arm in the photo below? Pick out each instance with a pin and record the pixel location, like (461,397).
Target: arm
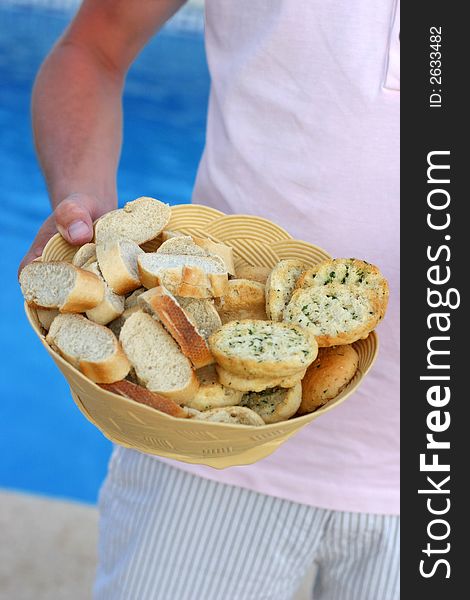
(77,115)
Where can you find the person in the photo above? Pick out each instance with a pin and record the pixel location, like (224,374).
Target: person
(302,129)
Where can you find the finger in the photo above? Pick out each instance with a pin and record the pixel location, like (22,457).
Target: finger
(47,230)
(73,220)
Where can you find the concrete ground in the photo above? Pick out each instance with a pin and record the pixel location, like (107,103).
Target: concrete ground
(48,549)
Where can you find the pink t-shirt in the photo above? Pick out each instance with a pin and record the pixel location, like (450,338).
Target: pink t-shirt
(303,129)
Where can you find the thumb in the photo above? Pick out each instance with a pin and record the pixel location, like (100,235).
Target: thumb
(73,218)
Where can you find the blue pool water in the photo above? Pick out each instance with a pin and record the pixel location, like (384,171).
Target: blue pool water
(46,445)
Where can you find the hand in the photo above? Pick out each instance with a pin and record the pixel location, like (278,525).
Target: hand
(72,218)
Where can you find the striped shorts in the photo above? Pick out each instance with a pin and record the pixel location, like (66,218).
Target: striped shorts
(168,535)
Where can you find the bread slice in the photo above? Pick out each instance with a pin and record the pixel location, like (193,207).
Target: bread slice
(181,244)
(184,275)
(91,348)
(84,254)
(191,412)
(334,314)
(209,246)
(161,304)
(112,305)
(132,301)
(158,362)
(142,395)
(280,285)
(231,414)
(348,272)
(117,324)
(202,313)
(130,306)
(330,372)
(219,249)
(140,221)
(263,348)
(244,299)
(253,273)
(256,384)
(211,393)
(46,316)
(60,285)
(275,404)
(118,264)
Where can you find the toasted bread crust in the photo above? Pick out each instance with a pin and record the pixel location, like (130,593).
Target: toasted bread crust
(159,302)
(142,395)
(325,378)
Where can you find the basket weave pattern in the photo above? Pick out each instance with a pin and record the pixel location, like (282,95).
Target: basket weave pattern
(255,241)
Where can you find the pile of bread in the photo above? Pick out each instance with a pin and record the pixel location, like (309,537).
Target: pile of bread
(181,330)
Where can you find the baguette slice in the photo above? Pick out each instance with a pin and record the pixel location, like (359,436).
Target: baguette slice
(202,312)
(256,384)
(130,390)
(91,348)
(157,359)
(112,305)
(60,285)
(244,299)
(275,404)
(132,301)
(211,393)
(231,414)
(118,264)
(140,221)
(349,272)
(253,273)
(117,324)
(181,244)
(210,247)
(334,314)
(84,254)
(263,348)
(280,285)
(161,304)
(330,372)
(130,306)
(184,275)
(46,316)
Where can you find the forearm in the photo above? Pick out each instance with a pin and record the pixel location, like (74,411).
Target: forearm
(77,124)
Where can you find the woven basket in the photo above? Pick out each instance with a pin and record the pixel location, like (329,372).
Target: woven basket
(255,241)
